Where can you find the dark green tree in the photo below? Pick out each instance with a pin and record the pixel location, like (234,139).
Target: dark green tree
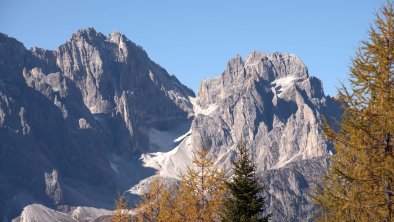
(246,200)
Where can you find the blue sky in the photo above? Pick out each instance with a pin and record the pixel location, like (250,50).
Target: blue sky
(195,39)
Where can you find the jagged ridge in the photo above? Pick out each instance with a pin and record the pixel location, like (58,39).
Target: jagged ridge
(73,121)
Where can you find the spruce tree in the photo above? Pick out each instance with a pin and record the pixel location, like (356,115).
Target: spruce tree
(246,202)
(359,184)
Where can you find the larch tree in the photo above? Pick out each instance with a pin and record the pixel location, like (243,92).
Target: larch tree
(201,191)
(359,184)
(121,212)
(246,202)
(158,204)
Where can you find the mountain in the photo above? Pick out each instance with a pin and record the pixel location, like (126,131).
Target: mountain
(96,116)
(270,101)
(74,121)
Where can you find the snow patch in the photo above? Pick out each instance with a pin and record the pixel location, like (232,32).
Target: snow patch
(283,162)
(88,213)
(282,84)
(168,164)
(179,139)
(204,111)
(164,141)
(142,187)
(284,81)
(158,159)
(38,212)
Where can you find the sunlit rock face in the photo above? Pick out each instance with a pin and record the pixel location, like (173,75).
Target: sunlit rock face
(270,101)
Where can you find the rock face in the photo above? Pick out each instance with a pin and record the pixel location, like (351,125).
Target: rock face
(73,122)
(271,102)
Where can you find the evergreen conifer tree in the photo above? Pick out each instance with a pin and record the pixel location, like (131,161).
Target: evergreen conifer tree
(359,184)
(246,202)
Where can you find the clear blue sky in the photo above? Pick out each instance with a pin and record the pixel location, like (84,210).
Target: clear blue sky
(195,39)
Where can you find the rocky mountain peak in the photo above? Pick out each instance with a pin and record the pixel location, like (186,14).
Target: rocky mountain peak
(266,95)
(235,63)
(259,71)
(87,34)
(109,68)
(270,101)
(85,110)
(277,65)
(12,55)
(117,37)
